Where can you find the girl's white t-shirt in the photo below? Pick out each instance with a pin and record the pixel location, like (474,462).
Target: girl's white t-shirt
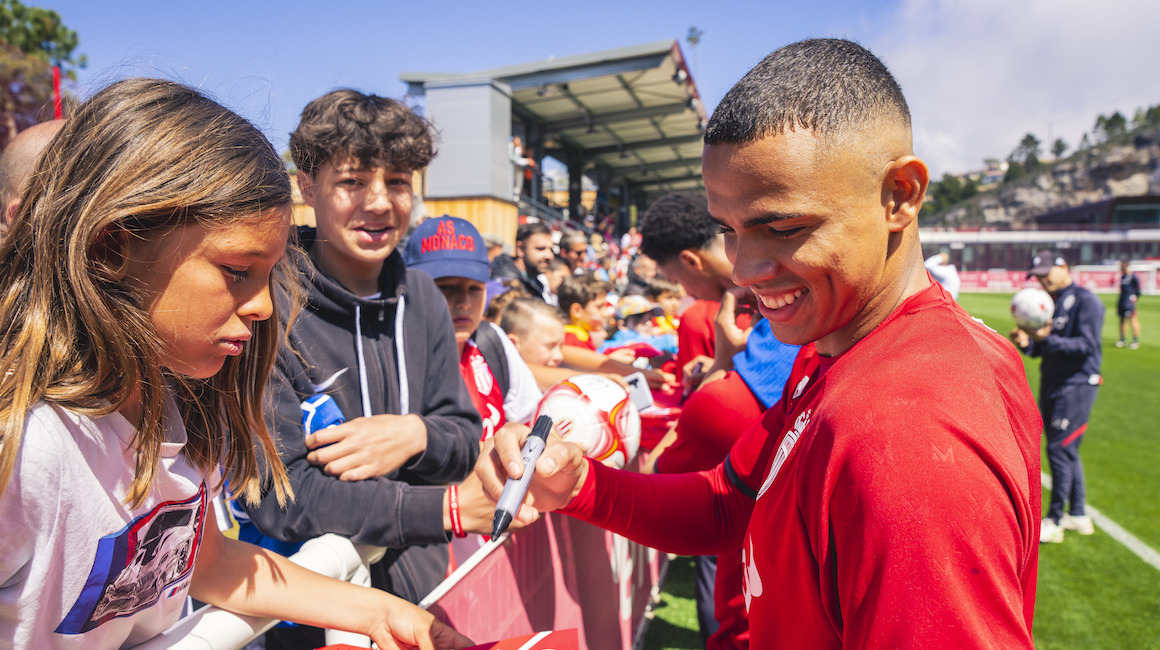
(77,567)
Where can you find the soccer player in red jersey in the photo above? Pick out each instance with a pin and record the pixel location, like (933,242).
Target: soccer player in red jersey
(878,505)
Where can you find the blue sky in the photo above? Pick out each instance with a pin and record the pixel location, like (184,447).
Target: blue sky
(978,73)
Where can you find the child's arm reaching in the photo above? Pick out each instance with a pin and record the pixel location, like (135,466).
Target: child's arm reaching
(250,580)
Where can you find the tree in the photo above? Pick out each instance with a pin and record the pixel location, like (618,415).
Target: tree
(1026,155)
(1117,124)
(1058,148)
(1109,127)
(32,40)
(40,33)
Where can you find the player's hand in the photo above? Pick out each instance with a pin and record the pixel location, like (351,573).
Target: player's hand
(623,355)
(695,371)
(1019,338)
(731,339)
(404,626)
(1041,333)
(476,506)
(560,471)
(363,448)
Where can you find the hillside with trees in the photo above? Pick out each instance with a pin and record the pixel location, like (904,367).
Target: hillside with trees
(1119,157)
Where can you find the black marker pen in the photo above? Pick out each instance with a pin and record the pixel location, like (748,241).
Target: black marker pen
(515,489)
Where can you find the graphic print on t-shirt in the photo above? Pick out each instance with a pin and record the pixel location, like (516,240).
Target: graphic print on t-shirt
(135,566)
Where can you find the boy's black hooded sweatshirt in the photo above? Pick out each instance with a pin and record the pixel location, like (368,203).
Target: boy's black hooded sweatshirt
(349,349)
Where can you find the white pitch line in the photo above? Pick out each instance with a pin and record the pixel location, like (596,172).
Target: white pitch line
(1117,532)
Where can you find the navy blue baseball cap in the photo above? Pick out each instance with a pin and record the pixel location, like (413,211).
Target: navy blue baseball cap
(1043,262)
(448,247)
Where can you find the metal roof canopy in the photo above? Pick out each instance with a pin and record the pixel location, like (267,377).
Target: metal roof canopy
(630,115)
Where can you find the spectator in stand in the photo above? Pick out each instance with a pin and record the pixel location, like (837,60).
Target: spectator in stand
(533,256)
(519,166)
(557,272)
(630,241)
(583,300)
(688,248)
(642,271)
(668,295)
(940,268)
(1126,307)
(574,250)
(17,162)
(536,329)
(494,246)
(500,383)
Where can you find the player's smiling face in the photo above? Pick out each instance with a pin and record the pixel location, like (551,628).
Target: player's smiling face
(362,213)
(806,228)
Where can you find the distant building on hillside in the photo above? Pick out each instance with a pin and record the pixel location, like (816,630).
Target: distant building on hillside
(1094,237)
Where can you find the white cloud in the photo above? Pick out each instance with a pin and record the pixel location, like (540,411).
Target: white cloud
(979,74)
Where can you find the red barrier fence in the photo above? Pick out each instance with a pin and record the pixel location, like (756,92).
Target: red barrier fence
(556,574)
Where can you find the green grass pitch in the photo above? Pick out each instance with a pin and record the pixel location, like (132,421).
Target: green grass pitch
(1093,592)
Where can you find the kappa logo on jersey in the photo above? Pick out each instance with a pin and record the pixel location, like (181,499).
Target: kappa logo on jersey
(135,567)
(752,587)
(784,449)
(801,387)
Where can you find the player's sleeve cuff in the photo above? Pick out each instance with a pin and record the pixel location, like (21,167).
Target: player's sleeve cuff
(583,504)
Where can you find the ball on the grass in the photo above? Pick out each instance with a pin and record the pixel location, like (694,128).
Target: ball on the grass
(1032,308)
(595,413)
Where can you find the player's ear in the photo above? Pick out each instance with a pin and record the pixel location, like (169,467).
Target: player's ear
(691,259)
(576,311)
(514,338)
(904,187)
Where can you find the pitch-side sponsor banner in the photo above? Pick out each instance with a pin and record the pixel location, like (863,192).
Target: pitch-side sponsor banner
(556,574)
(1097,279)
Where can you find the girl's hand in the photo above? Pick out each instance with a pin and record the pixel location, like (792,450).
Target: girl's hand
(404,626)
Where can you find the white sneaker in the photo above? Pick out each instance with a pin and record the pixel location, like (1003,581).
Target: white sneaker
(1134,345)
(1082,524)
(1050,532)
(1120,343)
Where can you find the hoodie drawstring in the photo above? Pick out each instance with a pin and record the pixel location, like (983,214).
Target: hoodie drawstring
(404,388)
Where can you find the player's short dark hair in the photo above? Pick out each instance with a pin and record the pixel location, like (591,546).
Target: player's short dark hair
(526,230)
(580,290)
(675,222)
(827,86)
(349,125)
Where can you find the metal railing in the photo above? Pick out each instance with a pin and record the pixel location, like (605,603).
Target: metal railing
(213,628)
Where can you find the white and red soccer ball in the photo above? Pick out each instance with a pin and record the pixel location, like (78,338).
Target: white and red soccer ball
(1032,308)
(595,413)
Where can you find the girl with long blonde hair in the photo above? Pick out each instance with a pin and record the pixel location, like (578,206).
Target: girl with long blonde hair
(137,331)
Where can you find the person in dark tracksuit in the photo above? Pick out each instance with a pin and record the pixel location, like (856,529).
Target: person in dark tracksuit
(1071,349)
(1126,306)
